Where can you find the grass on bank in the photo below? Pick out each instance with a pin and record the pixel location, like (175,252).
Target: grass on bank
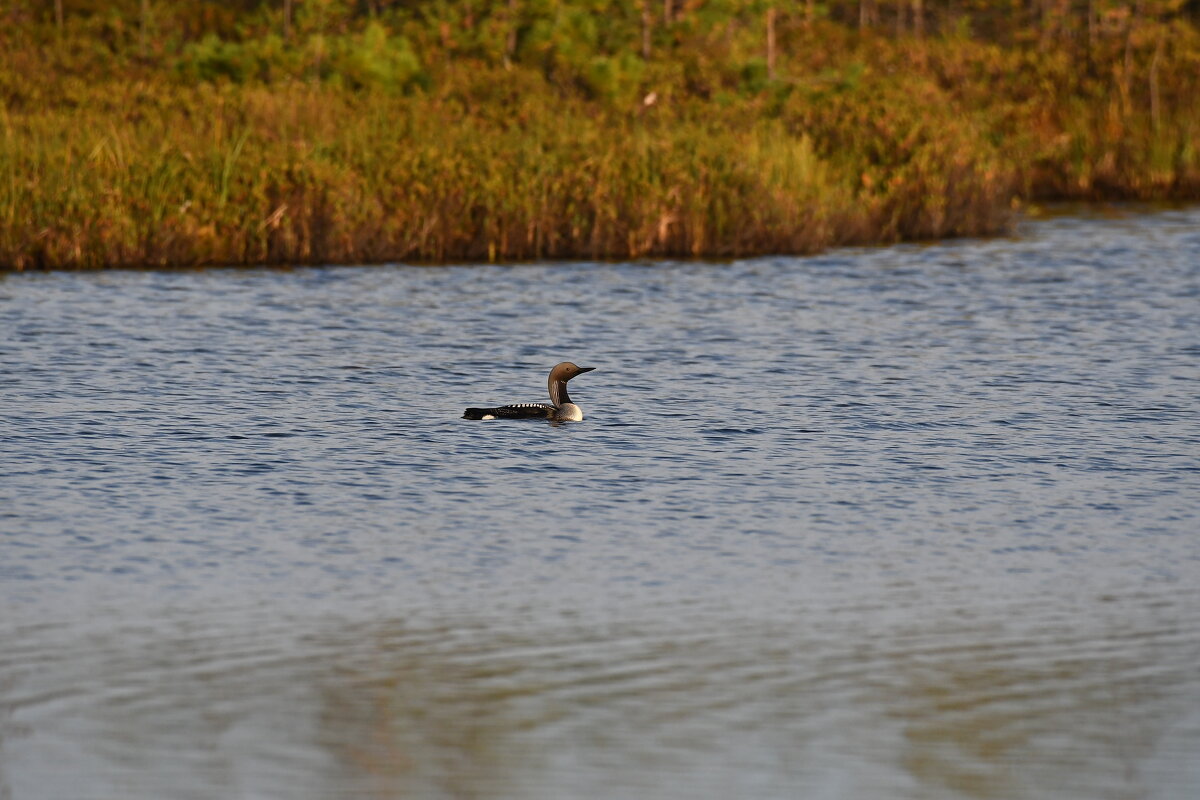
(376,143)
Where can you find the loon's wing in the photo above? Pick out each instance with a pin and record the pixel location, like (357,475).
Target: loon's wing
(519,411)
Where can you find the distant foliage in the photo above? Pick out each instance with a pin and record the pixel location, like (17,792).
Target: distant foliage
(371,59)
(213,58)
(377,59)
(209,132)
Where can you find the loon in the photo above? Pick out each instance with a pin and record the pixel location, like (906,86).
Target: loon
(562,410)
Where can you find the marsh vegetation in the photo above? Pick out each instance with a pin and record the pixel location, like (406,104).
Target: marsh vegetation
(319,131)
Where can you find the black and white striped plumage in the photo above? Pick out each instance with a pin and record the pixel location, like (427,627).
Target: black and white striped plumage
(518,411)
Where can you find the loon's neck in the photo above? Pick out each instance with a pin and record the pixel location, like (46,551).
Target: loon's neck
(558,392)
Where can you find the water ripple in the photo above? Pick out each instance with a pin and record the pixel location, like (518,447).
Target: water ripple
(894,522)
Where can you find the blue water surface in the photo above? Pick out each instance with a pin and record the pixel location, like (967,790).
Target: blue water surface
(913,522)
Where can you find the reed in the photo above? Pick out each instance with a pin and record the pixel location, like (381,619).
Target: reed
(394,144)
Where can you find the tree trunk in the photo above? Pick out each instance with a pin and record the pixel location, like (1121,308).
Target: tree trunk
(1091,28)
(510,44)
(1127,69)
(287,20)
(144,32)
(1093,35)
(868,13)
(647,21)
(1054,19)
(771,42)
(918,12)
(58,15)
(1155,120)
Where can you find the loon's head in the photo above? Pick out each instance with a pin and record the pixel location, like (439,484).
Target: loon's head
(557,384)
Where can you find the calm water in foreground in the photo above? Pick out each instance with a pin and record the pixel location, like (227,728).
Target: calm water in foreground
(913,522)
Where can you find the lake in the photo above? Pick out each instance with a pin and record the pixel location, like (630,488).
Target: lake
(900,522)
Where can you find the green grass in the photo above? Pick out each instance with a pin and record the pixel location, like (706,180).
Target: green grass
(405,139)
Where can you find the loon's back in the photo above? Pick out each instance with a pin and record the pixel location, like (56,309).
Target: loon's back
(518,411)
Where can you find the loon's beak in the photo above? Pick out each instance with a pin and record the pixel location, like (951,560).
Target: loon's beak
(586,369)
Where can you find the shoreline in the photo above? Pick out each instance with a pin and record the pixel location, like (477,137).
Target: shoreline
(399,144)
(1049,210)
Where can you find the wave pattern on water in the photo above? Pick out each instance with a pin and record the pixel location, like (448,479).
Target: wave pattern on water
(905,522)
(698,702)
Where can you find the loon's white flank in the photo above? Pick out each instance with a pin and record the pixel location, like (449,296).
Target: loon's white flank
(569,412)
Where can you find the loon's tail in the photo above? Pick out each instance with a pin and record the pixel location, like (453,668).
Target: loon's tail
(521,411)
